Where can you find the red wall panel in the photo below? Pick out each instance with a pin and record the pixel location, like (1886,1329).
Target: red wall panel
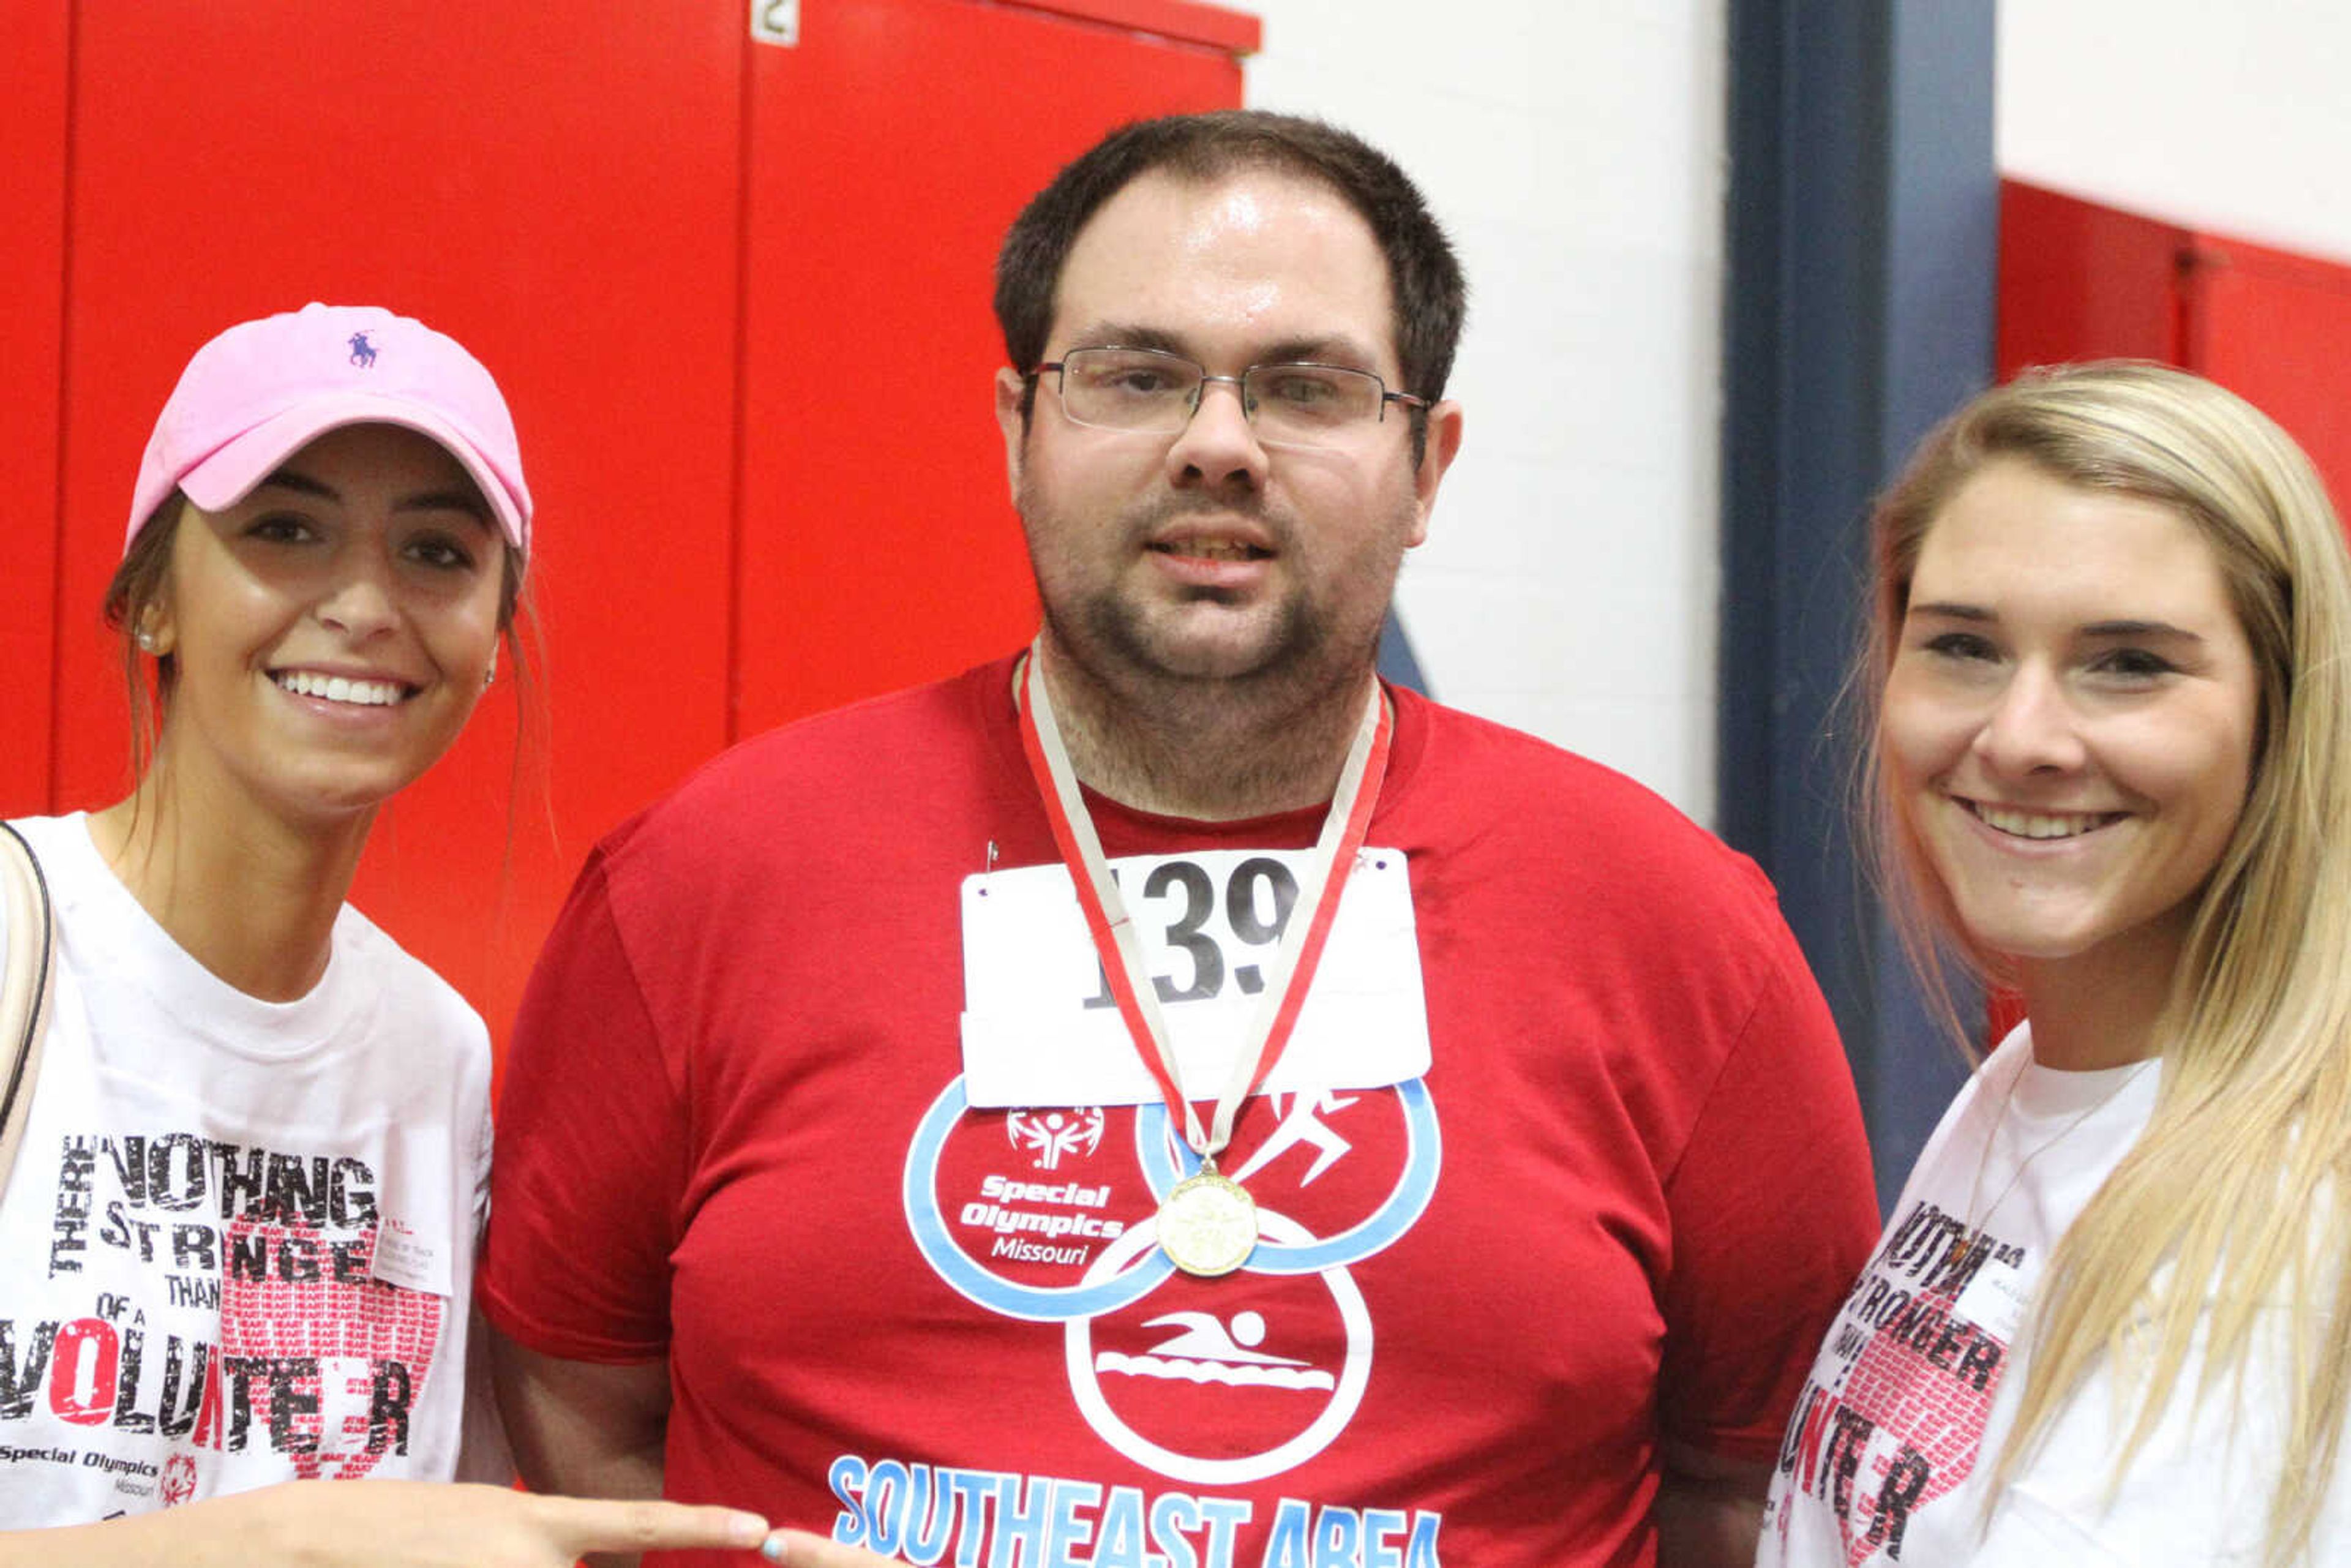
(2277,329)
(33,110)
(1182,21)
(2081,281)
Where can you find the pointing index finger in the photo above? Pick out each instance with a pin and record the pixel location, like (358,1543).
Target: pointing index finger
(798,1549)
(643,1525)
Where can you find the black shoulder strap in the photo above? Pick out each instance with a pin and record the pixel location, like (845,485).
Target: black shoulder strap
(25,973)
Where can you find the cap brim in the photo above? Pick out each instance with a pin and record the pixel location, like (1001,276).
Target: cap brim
(230,473)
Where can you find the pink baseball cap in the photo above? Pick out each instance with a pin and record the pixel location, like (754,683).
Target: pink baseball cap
(263,390)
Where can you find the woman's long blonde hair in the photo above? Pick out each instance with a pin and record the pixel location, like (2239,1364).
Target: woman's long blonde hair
(2238,1195)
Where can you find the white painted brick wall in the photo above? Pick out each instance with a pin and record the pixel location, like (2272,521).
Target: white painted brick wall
(1575,150)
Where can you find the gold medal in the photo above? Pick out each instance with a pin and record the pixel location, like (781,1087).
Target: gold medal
(1207,1223)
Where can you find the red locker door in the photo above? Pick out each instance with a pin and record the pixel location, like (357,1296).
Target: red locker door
(2277,329)
(2081,281)
(889,150)
(555,188)
(32,346)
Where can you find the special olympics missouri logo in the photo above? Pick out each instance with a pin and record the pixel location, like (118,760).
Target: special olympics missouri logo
(1274,1358)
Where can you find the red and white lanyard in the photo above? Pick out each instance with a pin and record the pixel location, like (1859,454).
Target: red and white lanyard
(1325,877)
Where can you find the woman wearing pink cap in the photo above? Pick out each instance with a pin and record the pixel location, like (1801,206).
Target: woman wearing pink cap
(238,1240)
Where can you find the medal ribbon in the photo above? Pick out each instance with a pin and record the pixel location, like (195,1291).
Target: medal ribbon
(1121,951)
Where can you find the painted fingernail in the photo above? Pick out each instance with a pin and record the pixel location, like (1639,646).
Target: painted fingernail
(772,1549)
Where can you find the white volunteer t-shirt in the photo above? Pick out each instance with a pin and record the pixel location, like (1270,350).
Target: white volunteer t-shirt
(239,1240)
(1899,1427)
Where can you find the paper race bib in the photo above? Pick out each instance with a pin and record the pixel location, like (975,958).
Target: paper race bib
(1040,1027)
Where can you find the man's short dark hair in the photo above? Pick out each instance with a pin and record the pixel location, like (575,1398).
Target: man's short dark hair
(1429,297)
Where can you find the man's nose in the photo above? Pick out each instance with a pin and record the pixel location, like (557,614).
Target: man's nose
(1218,445)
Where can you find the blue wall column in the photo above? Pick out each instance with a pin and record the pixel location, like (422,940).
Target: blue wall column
(1862,235)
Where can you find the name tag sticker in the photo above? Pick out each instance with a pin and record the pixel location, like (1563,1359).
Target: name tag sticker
(413,1247)
(1040,1027)
(1997,1299)
(405,1257)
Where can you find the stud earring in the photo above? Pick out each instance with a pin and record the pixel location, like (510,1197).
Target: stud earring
(146,640)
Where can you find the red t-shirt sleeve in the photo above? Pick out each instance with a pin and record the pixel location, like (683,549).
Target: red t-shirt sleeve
(592,1147)
(1774,1215)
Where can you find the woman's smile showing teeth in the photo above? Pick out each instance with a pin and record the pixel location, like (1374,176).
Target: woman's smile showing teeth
(2023,824)
(340,688)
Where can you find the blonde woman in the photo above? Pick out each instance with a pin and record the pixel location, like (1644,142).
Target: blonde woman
(2109,1321)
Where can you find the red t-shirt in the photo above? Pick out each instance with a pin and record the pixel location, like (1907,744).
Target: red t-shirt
(1615,1213)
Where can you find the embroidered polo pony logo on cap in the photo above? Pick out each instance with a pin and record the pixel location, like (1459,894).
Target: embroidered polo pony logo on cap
(362,351)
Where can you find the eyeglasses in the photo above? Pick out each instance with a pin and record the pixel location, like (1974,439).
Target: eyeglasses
(1144,391)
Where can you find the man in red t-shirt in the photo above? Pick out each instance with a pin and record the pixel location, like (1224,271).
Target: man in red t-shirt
(1169,1098)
